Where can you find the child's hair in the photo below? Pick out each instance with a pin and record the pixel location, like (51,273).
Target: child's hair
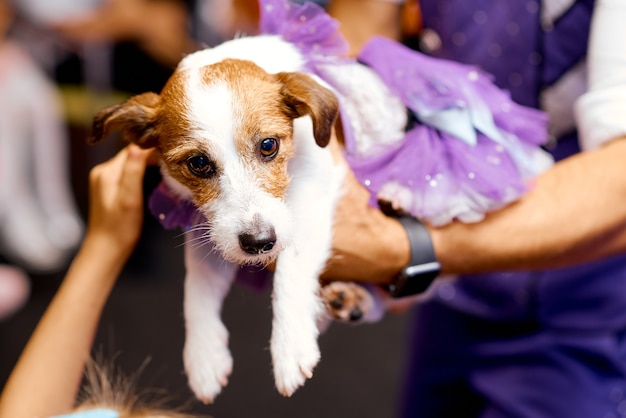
(107,387)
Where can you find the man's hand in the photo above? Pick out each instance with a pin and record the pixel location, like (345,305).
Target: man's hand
(367,245)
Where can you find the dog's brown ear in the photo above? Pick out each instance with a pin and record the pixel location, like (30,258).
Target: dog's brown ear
(304,96)
(134,118)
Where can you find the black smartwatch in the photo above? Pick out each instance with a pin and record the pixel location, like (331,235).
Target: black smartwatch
(423,267)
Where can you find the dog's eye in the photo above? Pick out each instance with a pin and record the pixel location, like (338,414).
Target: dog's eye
(200,165)
(268,148)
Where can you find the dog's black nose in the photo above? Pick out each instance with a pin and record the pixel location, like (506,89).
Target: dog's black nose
(258,244)
(356,314)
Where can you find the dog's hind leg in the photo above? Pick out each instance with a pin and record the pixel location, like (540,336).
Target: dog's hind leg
(351,302)
(208,362)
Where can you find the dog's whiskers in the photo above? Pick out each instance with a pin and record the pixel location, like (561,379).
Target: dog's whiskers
(183,234)
(198,227)
(200,241)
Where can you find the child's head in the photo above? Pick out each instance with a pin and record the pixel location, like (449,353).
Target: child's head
(108,393)
(112,413)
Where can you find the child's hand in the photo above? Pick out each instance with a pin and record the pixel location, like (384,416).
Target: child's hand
(52,364)
(116,198)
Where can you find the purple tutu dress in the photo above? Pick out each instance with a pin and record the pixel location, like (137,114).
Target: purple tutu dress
(467,148)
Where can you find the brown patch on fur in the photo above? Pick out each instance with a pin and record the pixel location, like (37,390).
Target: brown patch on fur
(203,190)
(177,142)
(264,106)
(173,121)
(258,112)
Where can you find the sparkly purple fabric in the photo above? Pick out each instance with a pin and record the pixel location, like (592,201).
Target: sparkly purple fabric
(308,27)
(472,148)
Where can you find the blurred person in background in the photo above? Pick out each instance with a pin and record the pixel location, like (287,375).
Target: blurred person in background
(40,225)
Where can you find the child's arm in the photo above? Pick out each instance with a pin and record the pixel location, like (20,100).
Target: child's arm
(46,378)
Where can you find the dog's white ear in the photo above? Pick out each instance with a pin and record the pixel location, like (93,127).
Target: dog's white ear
(304,96)
(134,118)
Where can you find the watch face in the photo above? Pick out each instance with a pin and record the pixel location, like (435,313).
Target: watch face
(55,11)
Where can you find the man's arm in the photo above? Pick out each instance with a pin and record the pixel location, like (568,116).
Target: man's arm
(576,212)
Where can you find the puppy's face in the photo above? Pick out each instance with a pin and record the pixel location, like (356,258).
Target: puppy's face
(225,132)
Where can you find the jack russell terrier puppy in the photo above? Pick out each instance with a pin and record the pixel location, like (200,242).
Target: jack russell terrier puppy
(243,135)
(243,130)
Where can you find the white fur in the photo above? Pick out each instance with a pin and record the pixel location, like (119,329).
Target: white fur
(269,52)
(302,223)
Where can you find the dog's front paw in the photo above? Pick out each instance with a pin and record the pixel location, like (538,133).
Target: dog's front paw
(208,363)
(294,357)
(347,302)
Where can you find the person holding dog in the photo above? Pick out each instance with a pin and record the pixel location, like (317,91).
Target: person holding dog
(45,381)
(538,312)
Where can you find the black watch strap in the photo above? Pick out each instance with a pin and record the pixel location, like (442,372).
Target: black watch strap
(423,267)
